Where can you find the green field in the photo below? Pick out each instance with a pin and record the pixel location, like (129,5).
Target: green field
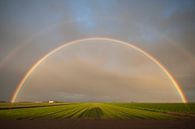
(161,107)
(96,111)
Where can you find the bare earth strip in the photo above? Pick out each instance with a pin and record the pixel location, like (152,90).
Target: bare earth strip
(97,124)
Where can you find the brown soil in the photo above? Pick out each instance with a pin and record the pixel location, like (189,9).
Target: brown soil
(97,124)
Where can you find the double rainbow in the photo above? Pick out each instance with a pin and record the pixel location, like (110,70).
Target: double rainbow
(172,79)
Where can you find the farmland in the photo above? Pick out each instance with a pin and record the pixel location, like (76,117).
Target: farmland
(105,111)
(161,107)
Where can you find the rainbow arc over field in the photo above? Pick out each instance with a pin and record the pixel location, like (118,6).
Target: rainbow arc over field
(149,56)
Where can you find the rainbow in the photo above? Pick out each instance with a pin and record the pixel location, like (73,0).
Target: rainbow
(172,79)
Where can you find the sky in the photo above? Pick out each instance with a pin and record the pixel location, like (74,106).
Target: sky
(98,70)
(29,29)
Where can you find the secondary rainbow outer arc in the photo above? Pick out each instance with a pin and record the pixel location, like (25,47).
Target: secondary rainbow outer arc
(176,85)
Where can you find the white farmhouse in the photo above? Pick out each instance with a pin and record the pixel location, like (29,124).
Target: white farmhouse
(50,101)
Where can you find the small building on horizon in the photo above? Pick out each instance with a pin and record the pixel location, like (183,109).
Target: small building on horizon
(51,101)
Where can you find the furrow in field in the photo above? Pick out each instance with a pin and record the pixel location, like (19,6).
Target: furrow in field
(92,113)
(69,112)
(128,113)
(179,111)
(30,113)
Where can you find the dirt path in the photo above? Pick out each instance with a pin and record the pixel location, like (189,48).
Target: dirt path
(30,106)
(97,124)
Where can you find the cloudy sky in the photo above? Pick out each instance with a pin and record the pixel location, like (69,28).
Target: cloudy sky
(31,28)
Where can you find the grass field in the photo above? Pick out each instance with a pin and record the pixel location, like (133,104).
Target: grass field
(161,107)
(96,111)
